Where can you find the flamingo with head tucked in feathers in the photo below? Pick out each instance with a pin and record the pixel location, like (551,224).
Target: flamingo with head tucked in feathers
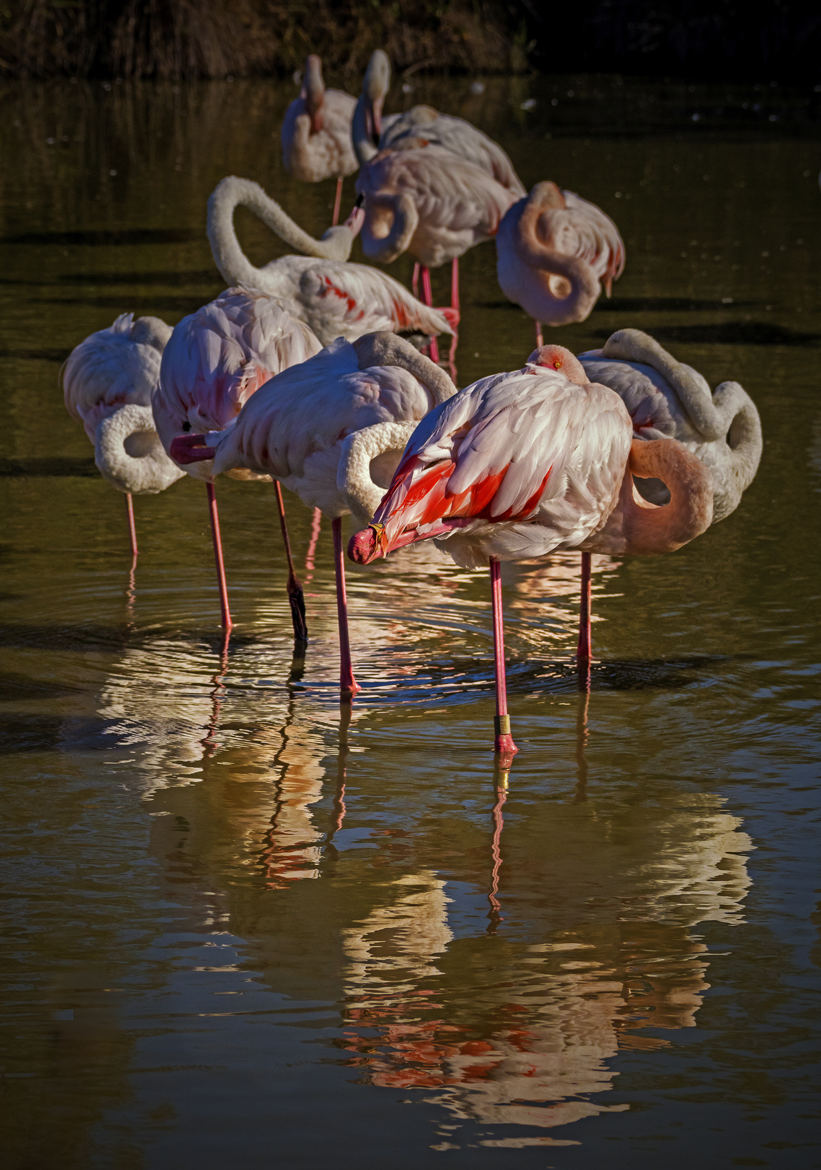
(429,192)
(316,132)
(333,296)
(109,382)
(521,464)
(215,360)
(554,252)
(665,397)
(332,430)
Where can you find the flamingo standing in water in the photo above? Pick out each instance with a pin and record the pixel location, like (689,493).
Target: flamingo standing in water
(109,382)
(316,132)
(665,397)
(421,195)
(332,430)
(215,360)
(334,297)
(554,251)
(521,464)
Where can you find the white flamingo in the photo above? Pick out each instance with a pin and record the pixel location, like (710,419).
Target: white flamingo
(334,297)
(665,397)
(316,132)
(554,252)
(215,360)
(109,382)
(332,430)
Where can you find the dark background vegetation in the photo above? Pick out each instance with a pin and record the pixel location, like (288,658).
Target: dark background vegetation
(180,39)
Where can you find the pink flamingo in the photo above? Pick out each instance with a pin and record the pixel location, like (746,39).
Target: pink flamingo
(109,382)
(334,297)
(521,464)
(215,360)
(405,130)
(554,251)
(332,430)
(316,132)
(420,194)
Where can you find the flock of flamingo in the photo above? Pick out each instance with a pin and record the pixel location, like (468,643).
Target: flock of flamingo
(298,372)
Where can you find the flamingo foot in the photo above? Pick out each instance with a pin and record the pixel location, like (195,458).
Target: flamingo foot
(503,744)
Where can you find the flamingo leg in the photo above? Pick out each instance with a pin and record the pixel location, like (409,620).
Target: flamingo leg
(347,683)
(539,335)
(583,650)
(132,529)
(415,278)
(215,534)
(296,597)
(337,202)
(503,743)
(454,283)
(427,299)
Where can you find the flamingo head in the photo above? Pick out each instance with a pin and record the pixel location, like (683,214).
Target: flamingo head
(367,545)
(556,357)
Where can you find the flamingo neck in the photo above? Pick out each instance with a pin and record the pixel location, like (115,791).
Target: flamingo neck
(637,526)
(129,454)
(233,264)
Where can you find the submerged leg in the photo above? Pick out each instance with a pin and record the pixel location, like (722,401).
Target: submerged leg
(215,534)
(347,683)
(503,743)
(296,597)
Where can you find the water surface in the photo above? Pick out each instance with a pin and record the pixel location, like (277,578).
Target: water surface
(243,925)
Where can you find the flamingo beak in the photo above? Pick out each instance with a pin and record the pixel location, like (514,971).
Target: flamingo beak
(367,545)
(190,449)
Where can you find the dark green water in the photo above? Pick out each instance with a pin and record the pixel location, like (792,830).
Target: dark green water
(242,927)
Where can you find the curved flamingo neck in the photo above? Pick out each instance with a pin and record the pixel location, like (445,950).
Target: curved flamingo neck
(234,265)
(313,89)
(637,526)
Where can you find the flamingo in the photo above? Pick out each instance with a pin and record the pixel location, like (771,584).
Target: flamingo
(420,193)
(332,430)
(520,464)
(554,250)
(403,131)
(316,132)
(109,381)
(215,360)
(667,398)
(334,297)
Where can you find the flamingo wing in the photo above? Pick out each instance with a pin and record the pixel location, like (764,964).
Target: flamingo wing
(514,447)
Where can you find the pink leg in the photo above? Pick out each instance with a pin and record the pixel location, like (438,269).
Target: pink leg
(454,283)
(337,202)
(347,683)
(539,335)
(215,533)
(427,299)
(132,530)
(415,278)
(503,743)
(584,648)
(295,594)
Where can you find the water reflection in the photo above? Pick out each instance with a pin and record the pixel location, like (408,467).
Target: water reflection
(500,984)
